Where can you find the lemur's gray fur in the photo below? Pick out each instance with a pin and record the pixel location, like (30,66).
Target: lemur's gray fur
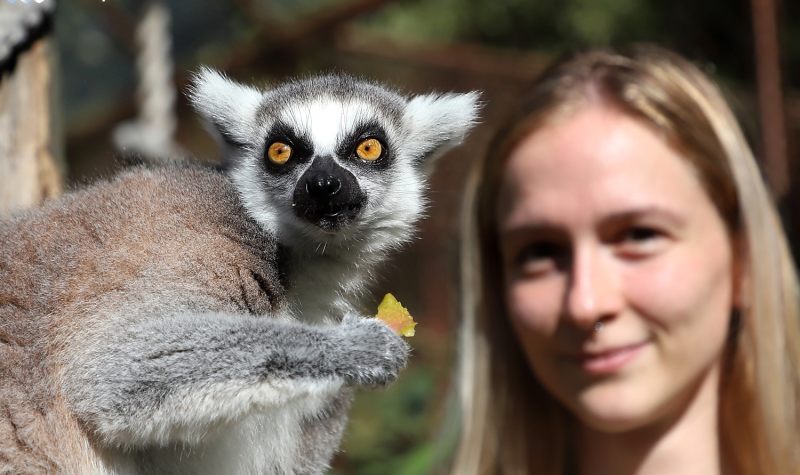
(180,319)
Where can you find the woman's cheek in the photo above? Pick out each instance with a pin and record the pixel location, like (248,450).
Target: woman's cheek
(534,306)
(663,290)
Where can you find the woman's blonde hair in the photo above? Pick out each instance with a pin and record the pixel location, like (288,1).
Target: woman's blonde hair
(510,424)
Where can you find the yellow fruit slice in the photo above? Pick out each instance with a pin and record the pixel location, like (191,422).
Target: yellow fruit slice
(396,316)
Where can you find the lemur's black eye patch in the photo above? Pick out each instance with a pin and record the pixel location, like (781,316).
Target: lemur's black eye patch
(299,145)
(352,147)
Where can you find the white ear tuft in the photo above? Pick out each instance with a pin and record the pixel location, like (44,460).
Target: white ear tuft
(441,121)
(230,107)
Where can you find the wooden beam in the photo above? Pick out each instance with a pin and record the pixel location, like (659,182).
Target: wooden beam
(770,96)
(31,165)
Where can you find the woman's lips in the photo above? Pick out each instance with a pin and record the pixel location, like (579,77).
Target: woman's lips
(608,361)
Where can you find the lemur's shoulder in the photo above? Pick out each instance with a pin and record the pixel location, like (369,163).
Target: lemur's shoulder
(184,199)
(173,223)
(143,200)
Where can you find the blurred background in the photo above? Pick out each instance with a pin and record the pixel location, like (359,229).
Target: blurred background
(119,68)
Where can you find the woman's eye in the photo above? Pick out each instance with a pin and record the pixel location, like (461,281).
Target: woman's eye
(640,240)
(538,258)
(639,234)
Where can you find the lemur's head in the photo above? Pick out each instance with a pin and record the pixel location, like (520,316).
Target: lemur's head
(330,158)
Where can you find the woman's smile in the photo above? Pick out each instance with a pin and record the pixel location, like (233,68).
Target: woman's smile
(607,359)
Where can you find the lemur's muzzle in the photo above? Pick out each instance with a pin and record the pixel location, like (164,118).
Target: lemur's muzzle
(328,195)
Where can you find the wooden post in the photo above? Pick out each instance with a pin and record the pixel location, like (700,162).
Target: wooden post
(31,165)
(770,96)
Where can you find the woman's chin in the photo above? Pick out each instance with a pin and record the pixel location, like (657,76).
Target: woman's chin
(611,424)
(613,413)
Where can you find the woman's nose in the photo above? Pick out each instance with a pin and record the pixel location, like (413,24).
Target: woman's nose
(593,293)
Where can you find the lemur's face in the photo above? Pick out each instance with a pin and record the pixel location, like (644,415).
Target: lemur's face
(331,157)
(329,160)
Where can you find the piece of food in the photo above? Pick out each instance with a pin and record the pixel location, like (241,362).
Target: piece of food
(396,316)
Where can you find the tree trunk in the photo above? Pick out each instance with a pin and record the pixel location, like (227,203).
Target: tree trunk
(31,165)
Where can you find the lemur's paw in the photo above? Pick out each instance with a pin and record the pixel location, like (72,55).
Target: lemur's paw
(372,354)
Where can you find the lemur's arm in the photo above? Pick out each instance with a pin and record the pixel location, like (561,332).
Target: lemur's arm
(173,379)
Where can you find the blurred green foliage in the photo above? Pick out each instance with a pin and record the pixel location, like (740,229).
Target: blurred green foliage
(387,426)
(405,429)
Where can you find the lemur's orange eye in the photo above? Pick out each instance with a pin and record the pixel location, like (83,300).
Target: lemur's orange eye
(370,150)
(279,153)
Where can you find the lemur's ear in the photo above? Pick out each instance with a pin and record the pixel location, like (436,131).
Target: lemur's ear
(228,106)
(439,122)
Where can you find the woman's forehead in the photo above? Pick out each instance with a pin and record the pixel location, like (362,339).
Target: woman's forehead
(597,159)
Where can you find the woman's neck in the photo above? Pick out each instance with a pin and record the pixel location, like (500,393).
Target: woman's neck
(685,442)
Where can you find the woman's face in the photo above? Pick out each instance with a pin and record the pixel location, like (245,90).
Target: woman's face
(618,270)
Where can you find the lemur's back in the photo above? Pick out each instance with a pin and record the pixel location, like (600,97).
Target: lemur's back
(178,227)
(106,236)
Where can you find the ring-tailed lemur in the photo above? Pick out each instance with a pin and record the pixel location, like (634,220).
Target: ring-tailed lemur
(181,319)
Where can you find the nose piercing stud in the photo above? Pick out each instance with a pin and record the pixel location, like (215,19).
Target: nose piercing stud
(597,327)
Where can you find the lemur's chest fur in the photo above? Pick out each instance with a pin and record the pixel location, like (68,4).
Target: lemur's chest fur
(271,441)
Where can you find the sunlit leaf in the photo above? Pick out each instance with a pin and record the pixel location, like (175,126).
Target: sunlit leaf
(396,316)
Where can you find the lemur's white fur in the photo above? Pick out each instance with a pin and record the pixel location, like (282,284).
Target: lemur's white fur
(428,121)
(248,443)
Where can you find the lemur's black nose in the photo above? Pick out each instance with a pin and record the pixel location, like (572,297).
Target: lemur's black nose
(327,194)
(322,186)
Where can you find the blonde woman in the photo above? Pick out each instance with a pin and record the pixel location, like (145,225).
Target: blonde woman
(630,300)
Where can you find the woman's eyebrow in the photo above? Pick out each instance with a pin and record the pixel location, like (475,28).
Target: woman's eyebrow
(633,214)
(552,227)
(542,229)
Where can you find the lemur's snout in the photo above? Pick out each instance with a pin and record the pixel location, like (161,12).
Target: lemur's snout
(323,186)
(328,195)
